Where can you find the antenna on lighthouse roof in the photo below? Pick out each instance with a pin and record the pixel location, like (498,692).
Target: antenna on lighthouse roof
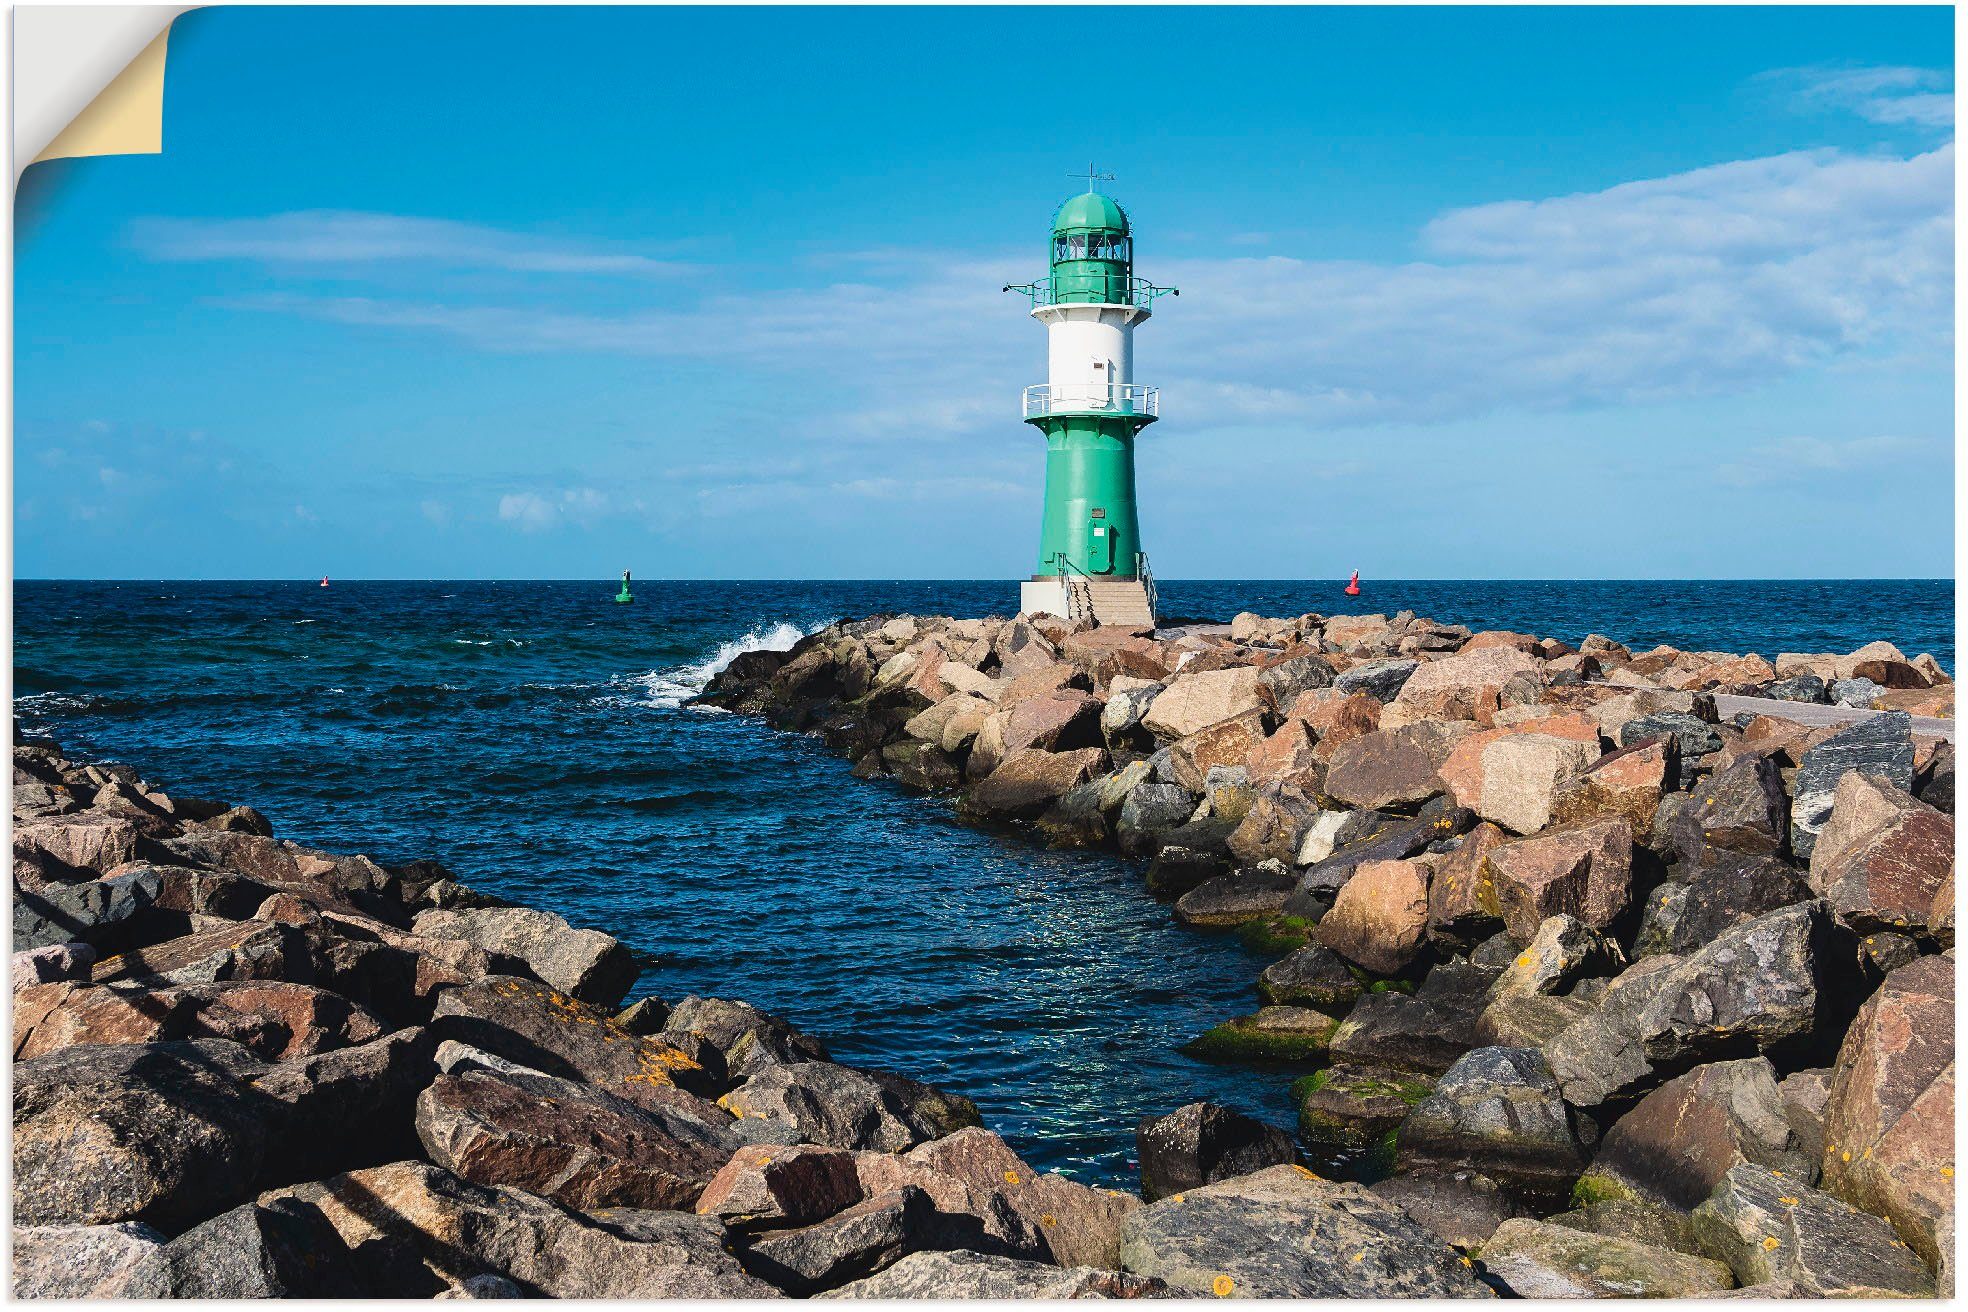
(1092,176)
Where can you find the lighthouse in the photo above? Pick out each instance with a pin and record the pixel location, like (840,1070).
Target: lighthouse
(1091,563)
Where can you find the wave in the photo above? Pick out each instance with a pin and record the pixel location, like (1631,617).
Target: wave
(668,689)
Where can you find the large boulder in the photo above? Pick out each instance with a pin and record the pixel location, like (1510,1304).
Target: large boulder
(1466,686)
(533,1025)
(1889,1112)
(958,1274)
(748,1038)
(400,1225)
(1030,780)
(1312,976)
(1462,1209)
(103,913)
(1498,1112)
(1057,722)
(1192,702)
(572,1142)
(1238,897)
(121,1260)
(1678,1142)
(1536,1259)
(1742,808)
(163,1133)
(1881,746)
(1882,855)
(1518,777)
(1225,743)
(1378,679)
(1284,1233)
(1378,919)
(1772,1227)
(1356,1106)
(838,1106)
(1202,1143)
(1583,870)
(850,1245)
(272,1019)
(1407,1033)
(1779,981)
(1383,769)
(768,1185)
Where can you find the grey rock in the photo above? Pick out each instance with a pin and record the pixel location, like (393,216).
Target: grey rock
(1535,1259)
(1725,892)
(121,1260)
(1461,1208)
(1499,1111)
(1381,680)
(1645,1223)
(1235,898)
(1202,1143)
(1404,1032)
(1797,688)
(1771,981)
(1855,692)
(1693,737)
(1879,745)
(99,912)
(644,1016)
(399,1225)
(1356,1106)
(1284,1233)
(1821,1245)
(849,1245)
(749,1039)
(1312,976)
(261,1252)
(1151,811)
(163,1133)
(960,1274)
(832,1105)
(1391,839)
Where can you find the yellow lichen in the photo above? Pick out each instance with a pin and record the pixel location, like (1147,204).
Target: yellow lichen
(1770,1241)
(1222,1285)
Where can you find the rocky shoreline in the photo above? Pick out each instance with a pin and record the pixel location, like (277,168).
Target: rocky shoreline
(1617,995)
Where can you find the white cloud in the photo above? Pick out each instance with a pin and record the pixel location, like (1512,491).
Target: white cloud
(536,512)
(1709,281)
(1881,94)
(342,237)
(1793,458)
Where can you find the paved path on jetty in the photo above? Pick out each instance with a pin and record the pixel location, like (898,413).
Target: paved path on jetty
(1727,704)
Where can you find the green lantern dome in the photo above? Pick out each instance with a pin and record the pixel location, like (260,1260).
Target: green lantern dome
(1090,212)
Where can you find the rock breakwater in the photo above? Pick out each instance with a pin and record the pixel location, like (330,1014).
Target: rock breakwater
(1584,966)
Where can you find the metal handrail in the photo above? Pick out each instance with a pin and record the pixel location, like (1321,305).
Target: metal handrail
(1099,398)
(1140,293)
(1147,577)
(1079,590)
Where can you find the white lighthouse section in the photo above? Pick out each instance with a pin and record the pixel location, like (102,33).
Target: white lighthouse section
(1089,359)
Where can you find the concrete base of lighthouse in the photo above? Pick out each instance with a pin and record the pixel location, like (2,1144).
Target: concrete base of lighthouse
(1044,597)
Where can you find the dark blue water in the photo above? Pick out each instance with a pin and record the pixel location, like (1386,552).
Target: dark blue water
(529,736)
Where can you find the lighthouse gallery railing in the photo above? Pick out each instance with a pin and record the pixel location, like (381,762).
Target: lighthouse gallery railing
(1043,399)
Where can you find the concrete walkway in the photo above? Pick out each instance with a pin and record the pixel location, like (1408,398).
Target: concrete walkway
(1728,704)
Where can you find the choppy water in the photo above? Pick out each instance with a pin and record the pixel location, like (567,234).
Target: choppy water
(530,736)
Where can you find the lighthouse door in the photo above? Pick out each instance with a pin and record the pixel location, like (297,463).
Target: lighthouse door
(1100,545)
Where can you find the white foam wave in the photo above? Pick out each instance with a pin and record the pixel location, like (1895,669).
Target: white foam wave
(670,688)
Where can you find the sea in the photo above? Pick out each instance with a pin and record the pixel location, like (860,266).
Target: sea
(537,739)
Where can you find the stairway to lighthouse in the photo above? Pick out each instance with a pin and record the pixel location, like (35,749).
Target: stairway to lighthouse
(1119,602)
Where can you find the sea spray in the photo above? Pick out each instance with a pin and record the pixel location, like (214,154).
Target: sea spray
(666,689)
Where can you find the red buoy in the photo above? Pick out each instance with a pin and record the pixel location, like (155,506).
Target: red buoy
(1353,585)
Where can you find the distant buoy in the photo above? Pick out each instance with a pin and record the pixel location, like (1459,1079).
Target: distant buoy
(625,597)
(1353,585)
(324,580)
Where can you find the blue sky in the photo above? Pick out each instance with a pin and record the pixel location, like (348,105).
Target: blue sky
(714,293)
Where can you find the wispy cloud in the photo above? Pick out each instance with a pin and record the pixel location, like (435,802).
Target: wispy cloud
(1923,97)
(1708,281)
(343,238)
(1791,459)
(538,511)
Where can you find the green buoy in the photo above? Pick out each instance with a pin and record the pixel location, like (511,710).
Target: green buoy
(624,597)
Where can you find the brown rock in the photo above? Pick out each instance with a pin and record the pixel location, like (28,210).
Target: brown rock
(1284,753)
(1581,870)
(85,845)
(1382,769)
(1678,1142)
(1461,894)
(572,1142)
(1889,1118)
(1467,686)
(1227,742)
(1029,781)
(1883,856)
(774,1184)
(1271,830)
(1054,722)
(1194,701)
(1626,783)
(1378,918)
(1521,775)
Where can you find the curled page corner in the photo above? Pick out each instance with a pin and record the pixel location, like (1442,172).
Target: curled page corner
(89,80)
